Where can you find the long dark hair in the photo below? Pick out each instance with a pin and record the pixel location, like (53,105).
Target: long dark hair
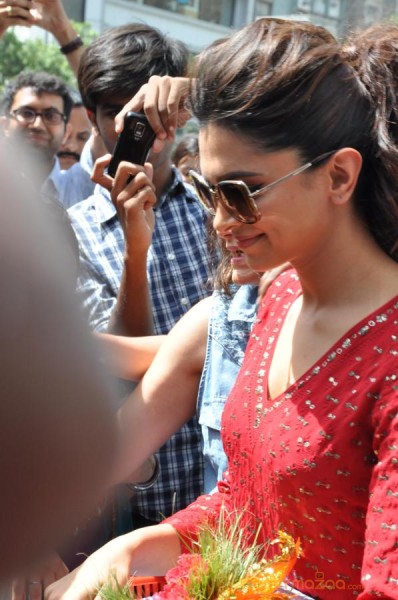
(285,84)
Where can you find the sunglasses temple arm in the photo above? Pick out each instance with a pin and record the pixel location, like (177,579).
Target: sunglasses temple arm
(271,185)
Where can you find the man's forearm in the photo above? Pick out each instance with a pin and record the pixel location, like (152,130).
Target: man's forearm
(132,314)
(55,20)
(73,57)
(64,36)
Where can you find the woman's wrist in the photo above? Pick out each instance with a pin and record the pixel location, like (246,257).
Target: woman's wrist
(154,549)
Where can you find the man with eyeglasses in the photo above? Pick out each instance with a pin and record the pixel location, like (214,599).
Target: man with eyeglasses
(35,113)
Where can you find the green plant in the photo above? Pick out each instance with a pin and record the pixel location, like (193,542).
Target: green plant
(114,591)
(225,560)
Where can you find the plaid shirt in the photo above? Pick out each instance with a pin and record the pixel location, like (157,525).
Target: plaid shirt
(72,185)
(177,268)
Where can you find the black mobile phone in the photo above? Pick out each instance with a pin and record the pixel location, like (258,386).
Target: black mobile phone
(134,143)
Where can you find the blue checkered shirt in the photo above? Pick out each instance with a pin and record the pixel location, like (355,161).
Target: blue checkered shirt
(72,185)
(177,268)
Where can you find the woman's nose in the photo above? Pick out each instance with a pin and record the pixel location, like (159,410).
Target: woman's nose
(223,222)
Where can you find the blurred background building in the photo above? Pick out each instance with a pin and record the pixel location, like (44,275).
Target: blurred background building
(199,22)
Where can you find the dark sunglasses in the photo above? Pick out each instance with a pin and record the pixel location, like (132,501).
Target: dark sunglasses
(236,197)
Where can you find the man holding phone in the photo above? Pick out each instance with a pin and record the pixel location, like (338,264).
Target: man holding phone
(129,277)
(134,142)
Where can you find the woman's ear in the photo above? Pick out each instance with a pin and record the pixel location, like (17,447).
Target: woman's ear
(344,169)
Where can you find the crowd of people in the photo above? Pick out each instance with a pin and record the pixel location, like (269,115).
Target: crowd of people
(241,288)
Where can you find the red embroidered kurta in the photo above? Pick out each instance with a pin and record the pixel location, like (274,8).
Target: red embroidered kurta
(319,461)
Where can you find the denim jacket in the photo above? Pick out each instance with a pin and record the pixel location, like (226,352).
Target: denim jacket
(230,323)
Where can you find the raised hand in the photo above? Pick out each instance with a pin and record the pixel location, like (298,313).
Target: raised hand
(15,12)
(133,195)
(163,99)
(50,15)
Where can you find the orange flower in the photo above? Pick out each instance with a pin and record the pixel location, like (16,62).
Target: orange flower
(265,577)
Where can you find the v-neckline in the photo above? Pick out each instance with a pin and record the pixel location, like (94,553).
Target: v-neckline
(337,349)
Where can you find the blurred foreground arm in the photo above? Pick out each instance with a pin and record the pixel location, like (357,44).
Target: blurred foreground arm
(58,437)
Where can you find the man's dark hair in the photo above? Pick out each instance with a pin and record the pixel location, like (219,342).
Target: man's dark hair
(41,83)
(120,60)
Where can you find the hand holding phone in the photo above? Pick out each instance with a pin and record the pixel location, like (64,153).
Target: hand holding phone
(133,143)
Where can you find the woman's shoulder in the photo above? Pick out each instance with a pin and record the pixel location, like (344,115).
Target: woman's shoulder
(284,289)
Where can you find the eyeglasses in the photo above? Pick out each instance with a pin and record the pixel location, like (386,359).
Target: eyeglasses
(236,197)
(27,115)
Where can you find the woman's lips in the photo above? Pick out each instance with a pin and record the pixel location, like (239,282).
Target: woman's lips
(238,259)
(244,243)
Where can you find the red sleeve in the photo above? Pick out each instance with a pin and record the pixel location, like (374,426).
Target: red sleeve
(380,561)
(204,511)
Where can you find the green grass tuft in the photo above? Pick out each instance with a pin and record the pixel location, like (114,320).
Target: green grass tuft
(114,591)
(226,561)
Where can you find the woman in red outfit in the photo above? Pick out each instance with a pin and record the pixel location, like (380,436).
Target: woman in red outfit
(310,428)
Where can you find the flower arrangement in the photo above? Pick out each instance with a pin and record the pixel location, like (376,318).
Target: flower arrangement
(221,568)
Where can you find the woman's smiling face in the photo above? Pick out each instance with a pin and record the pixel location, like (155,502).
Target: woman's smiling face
(294,214)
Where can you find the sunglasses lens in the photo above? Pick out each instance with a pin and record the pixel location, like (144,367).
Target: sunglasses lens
(236,200)
(234,196)
(203,192)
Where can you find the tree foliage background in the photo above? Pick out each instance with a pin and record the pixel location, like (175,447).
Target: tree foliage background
(37,55)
